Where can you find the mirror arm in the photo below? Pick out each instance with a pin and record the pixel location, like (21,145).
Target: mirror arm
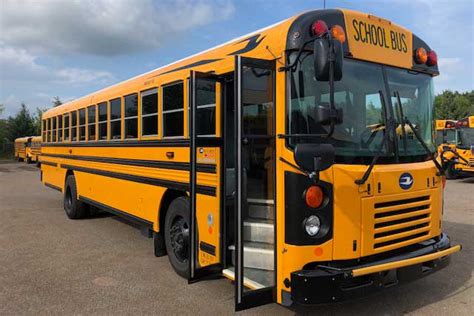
(300,51)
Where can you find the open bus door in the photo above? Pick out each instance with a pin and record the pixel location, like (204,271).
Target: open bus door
(205,249)
(255,242)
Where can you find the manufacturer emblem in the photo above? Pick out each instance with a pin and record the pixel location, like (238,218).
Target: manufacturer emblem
(406,181)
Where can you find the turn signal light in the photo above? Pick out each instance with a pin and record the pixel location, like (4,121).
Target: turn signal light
(432,58)
(338,33)
(314,196)
(421,56)
(319,28)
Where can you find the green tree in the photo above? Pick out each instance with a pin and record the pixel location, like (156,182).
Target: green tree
(57,101)
(454,105)
(20,125)
(37,120)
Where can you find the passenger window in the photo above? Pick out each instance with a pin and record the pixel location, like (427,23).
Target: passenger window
(82,124)
(150,112)
(91,122)
(173,110)
(74,126)
(66,127)
(44,131)
(54,129)
(102,120)
(116,119)
(131,116)
(206,107)
(48,129)
(60,128)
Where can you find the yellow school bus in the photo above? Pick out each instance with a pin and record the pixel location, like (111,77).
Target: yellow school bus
(296,160)
(20,148)
(33,149)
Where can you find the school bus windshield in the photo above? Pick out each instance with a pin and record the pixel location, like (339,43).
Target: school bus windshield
(359,94)
(466,137)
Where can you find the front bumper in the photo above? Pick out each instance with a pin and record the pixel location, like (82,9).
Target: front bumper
(326,284)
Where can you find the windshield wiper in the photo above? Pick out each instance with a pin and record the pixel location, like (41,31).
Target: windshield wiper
(386,137)
(400,117)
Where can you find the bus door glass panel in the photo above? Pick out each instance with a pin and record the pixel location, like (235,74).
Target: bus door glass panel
(205,153)
(255,161)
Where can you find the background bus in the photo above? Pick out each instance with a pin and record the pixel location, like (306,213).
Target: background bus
(33,149)
(266,162)
(20,148)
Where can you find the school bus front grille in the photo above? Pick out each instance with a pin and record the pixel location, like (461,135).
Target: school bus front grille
(400,221)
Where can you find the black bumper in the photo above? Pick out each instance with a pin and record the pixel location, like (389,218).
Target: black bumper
(329,284)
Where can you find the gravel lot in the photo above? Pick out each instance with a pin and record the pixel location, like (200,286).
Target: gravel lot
(49,264)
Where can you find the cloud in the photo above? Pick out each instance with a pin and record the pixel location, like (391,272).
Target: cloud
(102,27)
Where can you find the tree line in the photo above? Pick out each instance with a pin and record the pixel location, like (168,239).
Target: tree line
(447,105)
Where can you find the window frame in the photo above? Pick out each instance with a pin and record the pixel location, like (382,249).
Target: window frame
(146,93)
(67,117)
(74,127)
(125,117)
(60,128)
(89,124)
(164,112)
(54,129)
(110,120)
(81,126)
(106,121)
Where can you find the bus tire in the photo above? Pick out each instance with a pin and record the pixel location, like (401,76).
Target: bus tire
(177,224)
(28,160)
(74,208)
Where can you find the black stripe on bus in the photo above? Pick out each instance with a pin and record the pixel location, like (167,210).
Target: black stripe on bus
(110,209)
(138,162)
(210,249)
(202,189)
(123,143)
(48,163)
(52,186)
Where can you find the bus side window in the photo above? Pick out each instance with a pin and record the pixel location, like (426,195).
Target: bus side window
(173,110)
(67,131)
(74,126)
(91,122)
(131,116)
(60,128)
(54,129)
(82,124)
(102,121)
(149,112)
(44,131)
(116,118)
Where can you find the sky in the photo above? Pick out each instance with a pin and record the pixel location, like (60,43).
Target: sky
(70,48)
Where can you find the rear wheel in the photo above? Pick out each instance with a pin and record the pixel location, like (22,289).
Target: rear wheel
(74,208)
(177,237)
(28,160)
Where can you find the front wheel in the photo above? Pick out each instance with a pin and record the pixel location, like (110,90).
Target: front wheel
(177,237)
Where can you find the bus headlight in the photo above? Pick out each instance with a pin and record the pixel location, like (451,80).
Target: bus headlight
(312,225)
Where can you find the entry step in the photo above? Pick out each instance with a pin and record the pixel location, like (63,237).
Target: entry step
(253,278)
(261,209)
(259,230)
(257,255)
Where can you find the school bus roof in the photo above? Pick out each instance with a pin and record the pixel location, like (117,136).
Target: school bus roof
(22,139)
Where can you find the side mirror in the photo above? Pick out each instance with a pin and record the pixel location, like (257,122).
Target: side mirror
(321,54)
(325,115)
(314,157)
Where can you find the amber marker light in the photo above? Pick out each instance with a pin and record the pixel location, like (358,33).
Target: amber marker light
(421,56)
(338,33)
(314,196)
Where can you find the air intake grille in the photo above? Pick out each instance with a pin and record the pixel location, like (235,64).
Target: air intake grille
(401,220)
